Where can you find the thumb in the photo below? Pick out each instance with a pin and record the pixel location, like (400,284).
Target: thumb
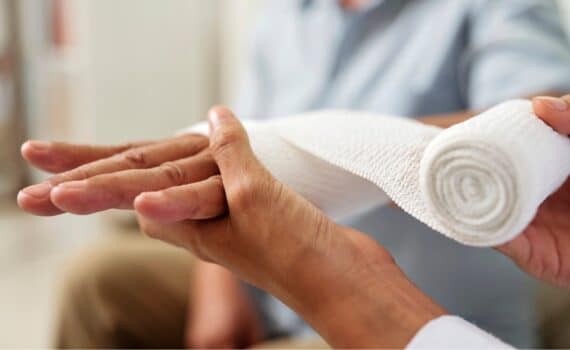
(555,111)
(230,145)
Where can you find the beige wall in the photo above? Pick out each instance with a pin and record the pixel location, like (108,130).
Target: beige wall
(157,65)
(153,65)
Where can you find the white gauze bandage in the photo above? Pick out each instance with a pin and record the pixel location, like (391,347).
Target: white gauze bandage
(479,182)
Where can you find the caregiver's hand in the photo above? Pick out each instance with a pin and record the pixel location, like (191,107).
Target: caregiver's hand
(95,178)
(341,281)
(543,249)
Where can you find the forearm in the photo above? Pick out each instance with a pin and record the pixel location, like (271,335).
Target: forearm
(370,303)
(385,311)
(447,120)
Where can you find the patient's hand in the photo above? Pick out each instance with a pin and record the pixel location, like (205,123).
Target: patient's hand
(94,178)
(543,249)
(277,240)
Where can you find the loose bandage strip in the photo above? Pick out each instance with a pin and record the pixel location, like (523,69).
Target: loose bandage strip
(479,182)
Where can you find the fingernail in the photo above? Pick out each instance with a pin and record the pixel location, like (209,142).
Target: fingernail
(217,117)
(555,103)
(38,145)
(39,191)
(214,120)
(152,196)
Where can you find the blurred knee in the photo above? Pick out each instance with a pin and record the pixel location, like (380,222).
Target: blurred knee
(94,288)
(96,273)
(113,294)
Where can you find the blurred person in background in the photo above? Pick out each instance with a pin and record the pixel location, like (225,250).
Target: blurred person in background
(436,61)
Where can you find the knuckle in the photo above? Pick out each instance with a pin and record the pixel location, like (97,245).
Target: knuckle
(199,141)
(126,146)
(217,180)
(224,139)
(132,145)
(207,162)
(205,245)
(196,245)
(80,173)
(173,172)
(135,159)
(244,194)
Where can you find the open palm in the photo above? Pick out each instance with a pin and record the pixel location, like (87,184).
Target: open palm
(543,248)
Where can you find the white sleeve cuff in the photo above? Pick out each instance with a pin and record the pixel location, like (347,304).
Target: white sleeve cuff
(452,332)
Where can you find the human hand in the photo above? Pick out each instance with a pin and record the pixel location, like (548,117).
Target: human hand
(250,190)
(221,314)
(275,239)
(543,248)
(94,178)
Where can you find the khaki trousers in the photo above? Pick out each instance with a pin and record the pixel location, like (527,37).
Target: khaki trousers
(130,292)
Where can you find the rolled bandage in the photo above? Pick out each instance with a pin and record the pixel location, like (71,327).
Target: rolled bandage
(482,180)
(479,182)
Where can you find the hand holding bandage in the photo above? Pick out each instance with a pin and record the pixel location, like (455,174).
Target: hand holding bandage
(275,239)
(479,182)
(543,247)
(333,162)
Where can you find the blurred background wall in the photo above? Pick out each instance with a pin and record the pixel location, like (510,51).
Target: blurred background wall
(110,70)
(96,71)
(99,71)
(159,64)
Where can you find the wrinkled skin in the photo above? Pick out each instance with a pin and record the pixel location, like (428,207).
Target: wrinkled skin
(543,249)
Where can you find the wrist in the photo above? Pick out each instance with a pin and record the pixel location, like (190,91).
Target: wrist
(386,311)
(358,296)
(446,120)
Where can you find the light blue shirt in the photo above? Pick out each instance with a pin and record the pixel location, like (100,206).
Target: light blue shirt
(413,58)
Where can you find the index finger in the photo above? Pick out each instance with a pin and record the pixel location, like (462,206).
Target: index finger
(118,190)
(56,157)
(36,199)
(200,200)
